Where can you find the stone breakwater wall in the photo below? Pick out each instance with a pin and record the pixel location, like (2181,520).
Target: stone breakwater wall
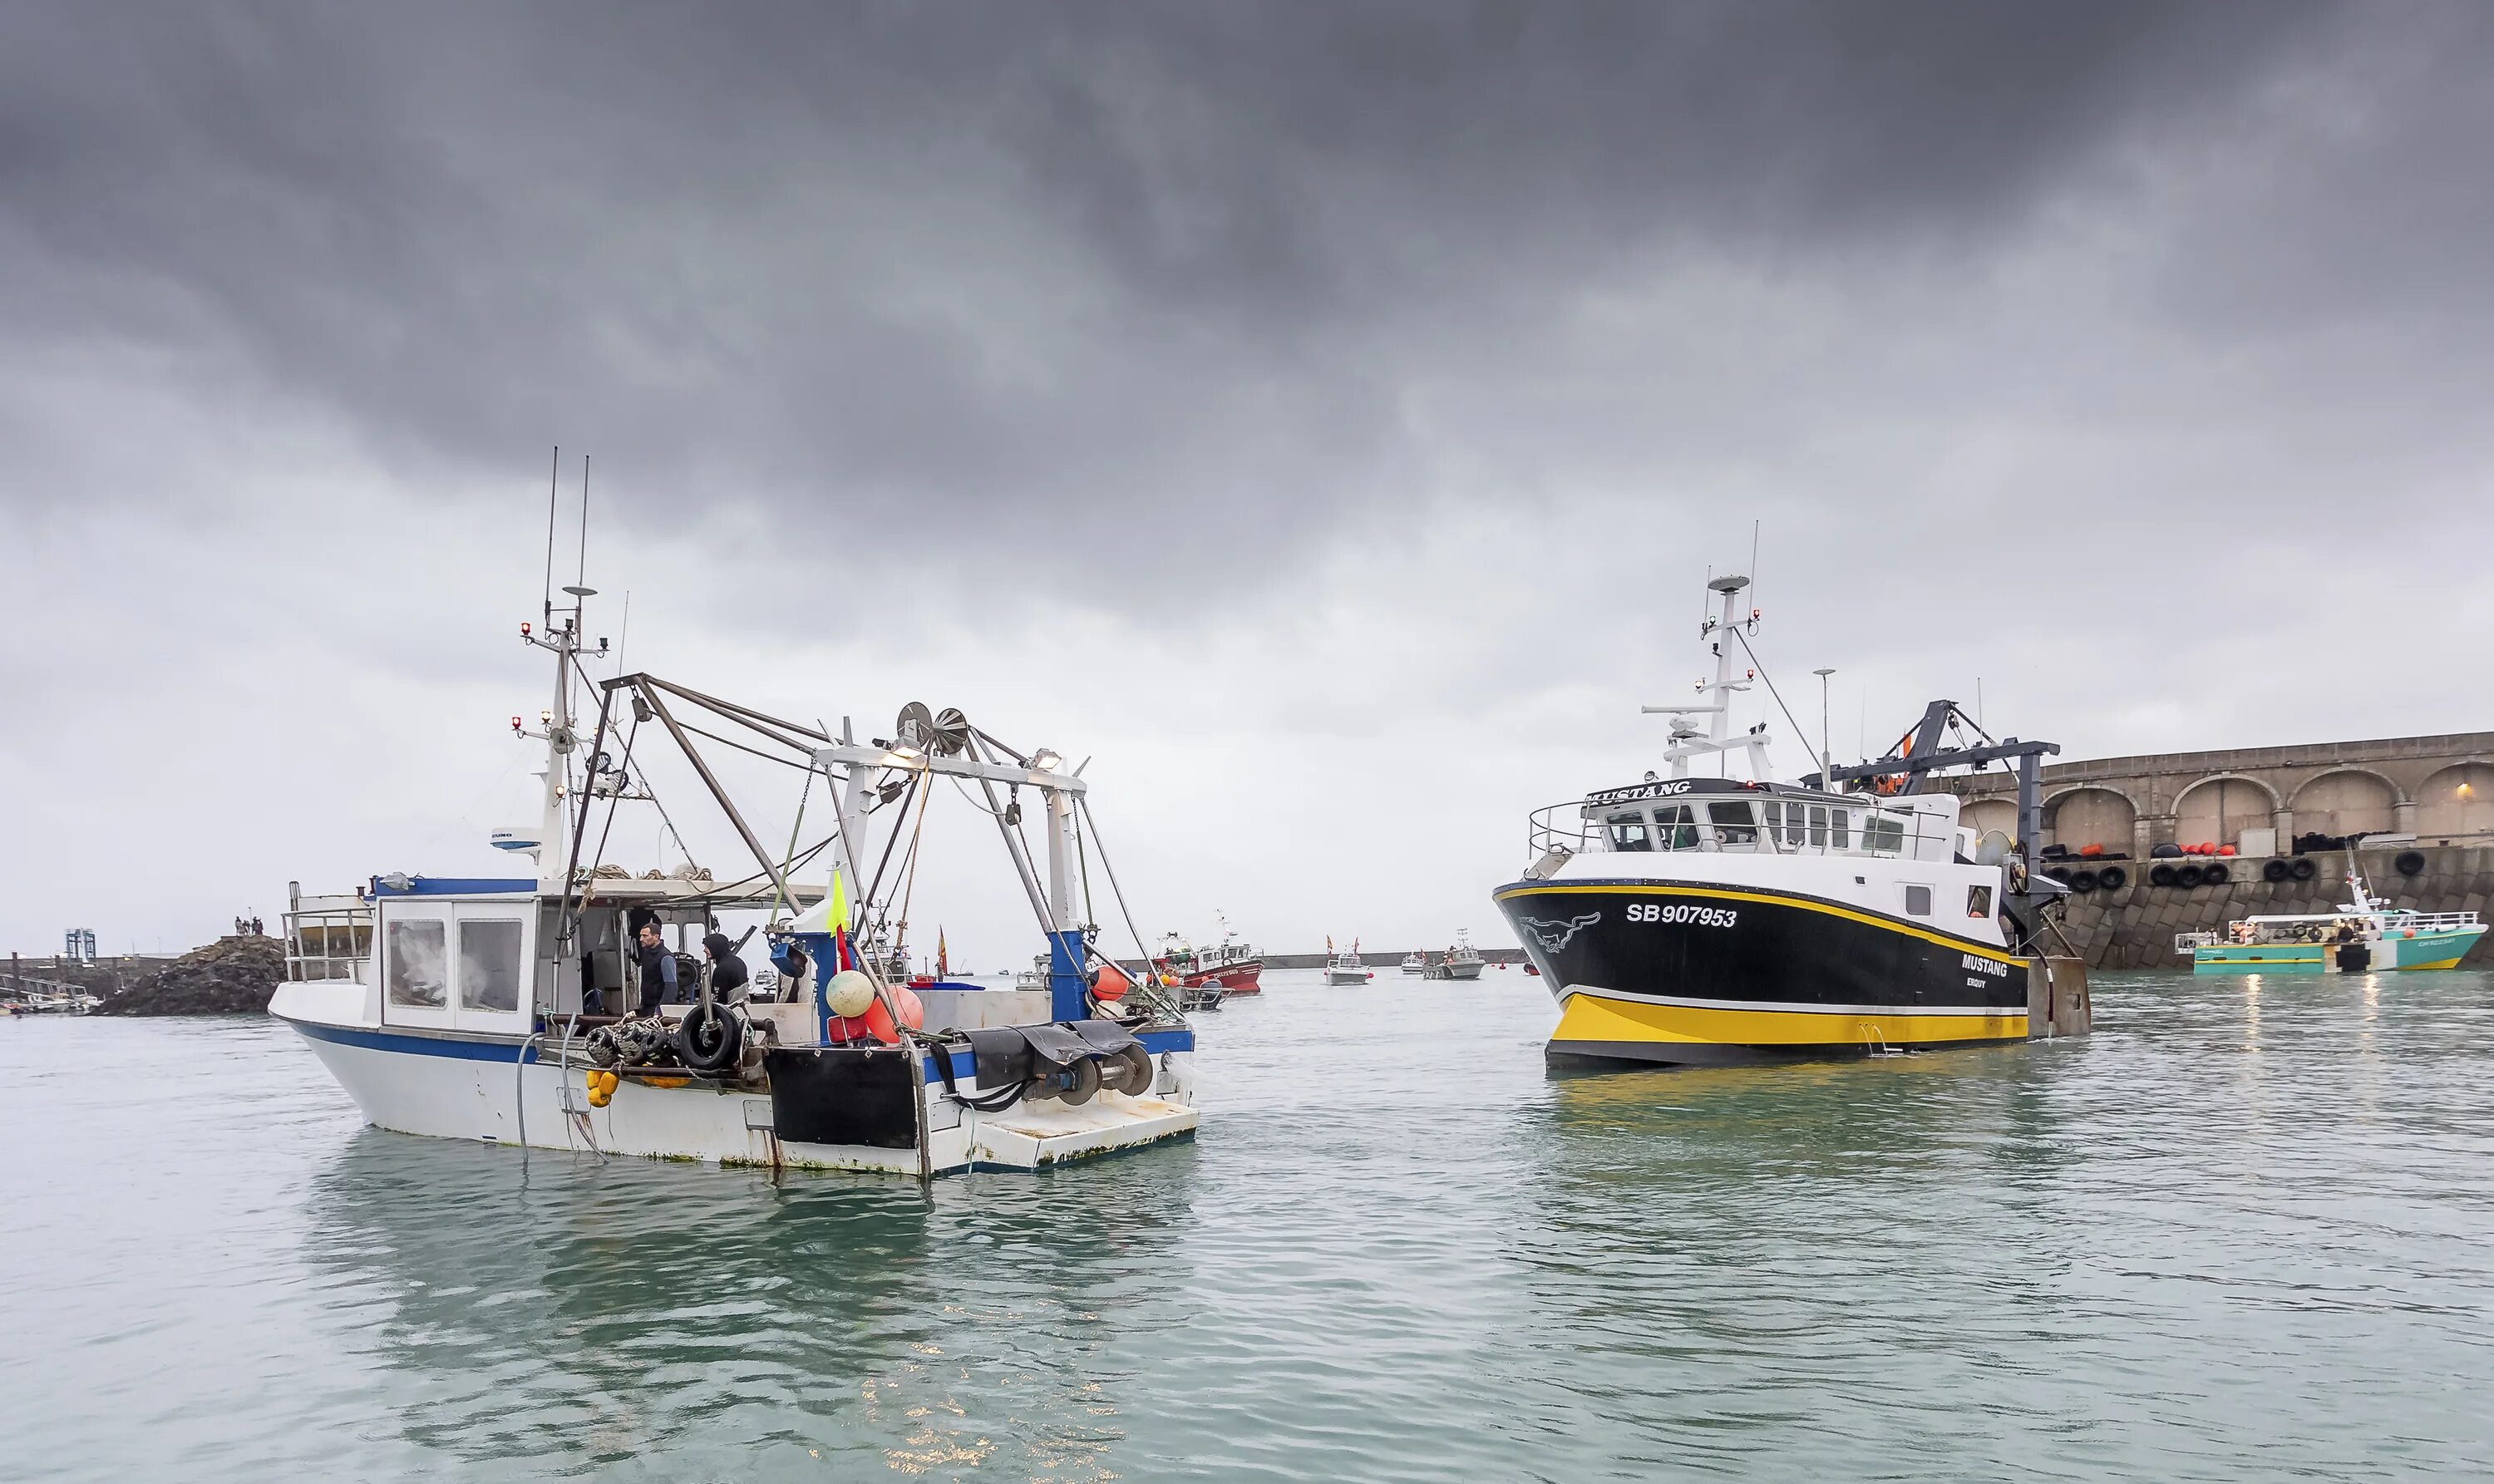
(2134,928)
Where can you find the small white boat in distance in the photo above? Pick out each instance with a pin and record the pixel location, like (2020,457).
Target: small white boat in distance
(1346,968)
(1416,963)
(1463,960)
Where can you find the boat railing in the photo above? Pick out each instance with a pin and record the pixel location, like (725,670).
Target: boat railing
(2430,921)
(1869,830)
(332,942)
(2191,942)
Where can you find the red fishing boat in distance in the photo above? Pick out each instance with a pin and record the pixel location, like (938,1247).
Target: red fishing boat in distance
(1227,966)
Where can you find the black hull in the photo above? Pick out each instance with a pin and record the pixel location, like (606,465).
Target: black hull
(1692,974)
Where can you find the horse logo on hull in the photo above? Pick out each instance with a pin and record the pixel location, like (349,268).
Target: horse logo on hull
(1554,936)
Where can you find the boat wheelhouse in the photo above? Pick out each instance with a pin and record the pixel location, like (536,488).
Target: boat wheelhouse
(1685,921)
(1346,967)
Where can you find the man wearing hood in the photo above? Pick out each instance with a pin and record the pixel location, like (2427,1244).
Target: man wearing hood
(727,976)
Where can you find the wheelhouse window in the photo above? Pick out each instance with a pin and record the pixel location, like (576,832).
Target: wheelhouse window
(489,964)
(420,964)
(1978,901)
(1884,834)
(1918,901)
(1818,825)
(1736,824)
(1676,825)
(1841,828)
(1628,833)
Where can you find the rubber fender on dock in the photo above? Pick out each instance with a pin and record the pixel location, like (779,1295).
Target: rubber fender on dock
(2305,870)
(2408,863)
(2186,876)
(2082,881)
(2112,878)
(2160,875)
(2216,873)
(2059,873)
(2276,870)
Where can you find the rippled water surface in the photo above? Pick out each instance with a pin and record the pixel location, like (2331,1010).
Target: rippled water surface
(2242,1231)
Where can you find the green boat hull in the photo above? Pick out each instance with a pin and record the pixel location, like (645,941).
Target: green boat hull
(2408,950)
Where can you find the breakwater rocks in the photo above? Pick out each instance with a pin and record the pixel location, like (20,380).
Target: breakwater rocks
(231,977)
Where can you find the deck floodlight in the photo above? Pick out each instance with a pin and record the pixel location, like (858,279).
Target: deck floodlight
(1046,760)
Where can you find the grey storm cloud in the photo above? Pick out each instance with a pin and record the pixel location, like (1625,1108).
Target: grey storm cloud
(1164,265)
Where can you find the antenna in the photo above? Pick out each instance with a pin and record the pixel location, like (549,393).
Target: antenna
(627,634)
(553,481)
(1753,564)
(583,579)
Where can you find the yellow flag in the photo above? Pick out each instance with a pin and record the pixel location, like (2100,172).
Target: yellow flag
(840,902)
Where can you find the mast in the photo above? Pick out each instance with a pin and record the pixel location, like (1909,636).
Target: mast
(561,638)
(1685,741)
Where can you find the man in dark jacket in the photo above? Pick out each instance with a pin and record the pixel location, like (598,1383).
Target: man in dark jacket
(657,968)
(727,976)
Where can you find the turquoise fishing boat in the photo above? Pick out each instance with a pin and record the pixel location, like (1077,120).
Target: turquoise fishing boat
(2361,937)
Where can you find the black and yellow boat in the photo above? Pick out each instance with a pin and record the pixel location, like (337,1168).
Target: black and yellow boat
(1714,921)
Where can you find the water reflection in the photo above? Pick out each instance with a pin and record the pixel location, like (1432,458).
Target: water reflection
(563,1310)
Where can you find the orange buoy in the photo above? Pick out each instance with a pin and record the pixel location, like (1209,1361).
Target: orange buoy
(877,1020)
(1113,983)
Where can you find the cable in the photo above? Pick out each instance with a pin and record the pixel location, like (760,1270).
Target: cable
(1798,734)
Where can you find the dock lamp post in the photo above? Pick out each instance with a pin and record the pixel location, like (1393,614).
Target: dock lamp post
(1826,756)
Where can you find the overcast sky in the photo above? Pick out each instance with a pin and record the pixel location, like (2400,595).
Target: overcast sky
(1324,415)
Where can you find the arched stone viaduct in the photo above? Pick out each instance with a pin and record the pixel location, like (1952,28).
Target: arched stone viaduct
(2439,789)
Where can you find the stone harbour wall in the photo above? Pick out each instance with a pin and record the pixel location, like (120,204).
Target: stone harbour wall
(2134,928)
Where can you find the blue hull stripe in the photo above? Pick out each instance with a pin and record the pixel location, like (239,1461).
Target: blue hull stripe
(411,1045)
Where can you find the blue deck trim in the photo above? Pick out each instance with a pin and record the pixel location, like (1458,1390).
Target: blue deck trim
(411,1045)
(458,886)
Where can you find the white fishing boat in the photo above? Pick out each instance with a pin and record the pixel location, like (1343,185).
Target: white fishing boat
(1344,967)
(1460,961)
(519,1011)
(1416,963)
(1692,920)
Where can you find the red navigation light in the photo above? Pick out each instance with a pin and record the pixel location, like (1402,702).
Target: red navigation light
(515,724)
(524,628)
(1752,673)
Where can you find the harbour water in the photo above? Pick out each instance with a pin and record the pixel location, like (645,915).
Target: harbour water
(2241,1230)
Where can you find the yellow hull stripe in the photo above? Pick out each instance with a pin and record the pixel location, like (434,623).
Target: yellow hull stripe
(1589,1018)
(2444,964)
(1721,894)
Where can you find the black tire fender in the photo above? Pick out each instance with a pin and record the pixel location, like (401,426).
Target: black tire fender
(2112,878)
(2216,873)
(2276,870)
(710,1039)
(2408,863)
(2305,870)
(2187,876)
